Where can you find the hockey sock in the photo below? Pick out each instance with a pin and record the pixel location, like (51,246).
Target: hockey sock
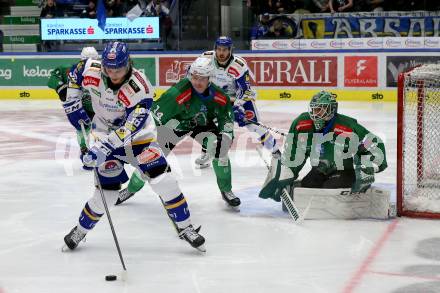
(81,139)
(178,211)
(223,174)
(136,182)
(269,142)
(88,218)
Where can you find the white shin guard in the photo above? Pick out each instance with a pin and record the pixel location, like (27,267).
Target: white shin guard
(95,203)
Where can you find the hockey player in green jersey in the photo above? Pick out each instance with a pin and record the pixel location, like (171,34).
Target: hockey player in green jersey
(59,81)
(196,107)
(343,154)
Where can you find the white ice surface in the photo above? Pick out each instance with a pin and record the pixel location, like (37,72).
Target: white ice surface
(258,250)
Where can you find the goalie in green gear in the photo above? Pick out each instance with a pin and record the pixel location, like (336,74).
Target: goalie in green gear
(198,108)
(343,154)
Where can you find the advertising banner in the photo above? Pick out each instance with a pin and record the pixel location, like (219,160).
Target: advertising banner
(360,71)
(348,44)
(398,64)
(352,26)
(173,69)
(36,72)
(265,71)
(87,29)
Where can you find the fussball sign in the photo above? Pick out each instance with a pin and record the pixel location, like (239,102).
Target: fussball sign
(87,29)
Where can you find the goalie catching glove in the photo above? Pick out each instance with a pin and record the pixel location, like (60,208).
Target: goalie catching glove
(278,178)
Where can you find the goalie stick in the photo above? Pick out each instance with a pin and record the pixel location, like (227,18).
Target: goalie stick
(107,212)
(267,127)
(285,198)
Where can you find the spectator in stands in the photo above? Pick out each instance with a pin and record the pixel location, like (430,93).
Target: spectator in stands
(127,5)
(374,5)
(156,8)
(320,6)
(281,7)
(340,5)
(90,11)
(261,28)
(64,7)
(50,10)
(114,8)
(299,7)
(279,30)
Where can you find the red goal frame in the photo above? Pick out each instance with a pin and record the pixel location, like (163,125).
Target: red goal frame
(400,147)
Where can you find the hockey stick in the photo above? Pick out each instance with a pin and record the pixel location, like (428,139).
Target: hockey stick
(288,202)
(267,127)
(107,212)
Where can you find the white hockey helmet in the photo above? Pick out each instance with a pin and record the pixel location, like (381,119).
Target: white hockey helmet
(202,66)
(89,52)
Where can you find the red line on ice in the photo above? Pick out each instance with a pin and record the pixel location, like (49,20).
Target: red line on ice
(363,269)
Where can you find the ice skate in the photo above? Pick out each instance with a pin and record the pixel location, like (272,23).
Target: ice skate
(204,161)
(193,238)
(232,200)
(72,239)
(124,194)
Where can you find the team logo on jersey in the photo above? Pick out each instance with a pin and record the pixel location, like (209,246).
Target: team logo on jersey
(110,168)
(233,71)
(149,155)
(123,98)
(134,86)
(90,80)
(304,125)
(249,114)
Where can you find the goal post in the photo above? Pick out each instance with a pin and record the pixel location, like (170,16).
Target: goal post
(418,142)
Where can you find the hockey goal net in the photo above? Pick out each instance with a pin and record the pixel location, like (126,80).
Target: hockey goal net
(418,142)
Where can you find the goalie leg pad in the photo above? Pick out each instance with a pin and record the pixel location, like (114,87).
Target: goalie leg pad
(277,178)
(342,204)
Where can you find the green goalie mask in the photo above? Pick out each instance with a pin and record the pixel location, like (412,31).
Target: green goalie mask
(322,108)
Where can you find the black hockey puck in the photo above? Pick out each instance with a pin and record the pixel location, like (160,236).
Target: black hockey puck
(110,278)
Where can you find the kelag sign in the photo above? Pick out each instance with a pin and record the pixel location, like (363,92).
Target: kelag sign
(36,72)
(87,29)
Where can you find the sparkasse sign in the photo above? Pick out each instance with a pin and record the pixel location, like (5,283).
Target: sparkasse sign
(87,29)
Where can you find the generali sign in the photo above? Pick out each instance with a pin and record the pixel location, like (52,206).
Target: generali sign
(293,71)
(266,71)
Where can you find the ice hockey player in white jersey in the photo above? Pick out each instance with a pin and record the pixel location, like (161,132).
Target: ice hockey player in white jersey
(232,75)
(124,133)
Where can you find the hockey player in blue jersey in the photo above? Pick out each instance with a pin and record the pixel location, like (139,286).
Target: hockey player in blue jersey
(125,133)
(231,73)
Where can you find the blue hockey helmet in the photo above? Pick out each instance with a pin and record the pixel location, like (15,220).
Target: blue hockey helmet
(223,41)
(115,55)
